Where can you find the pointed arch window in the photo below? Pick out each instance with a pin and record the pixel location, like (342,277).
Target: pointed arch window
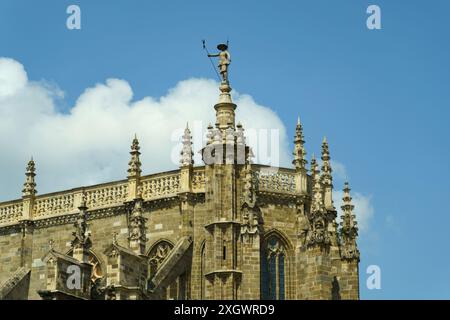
(273,269)
(157,255)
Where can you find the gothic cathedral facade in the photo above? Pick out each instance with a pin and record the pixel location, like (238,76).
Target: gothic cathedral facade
(227,229)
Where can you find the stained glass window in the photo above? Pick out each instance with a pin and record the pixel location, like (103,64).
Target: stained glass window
(273,270)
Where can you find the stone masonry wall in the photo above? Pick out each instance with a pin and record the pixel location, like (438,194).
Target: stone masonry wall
(161,223)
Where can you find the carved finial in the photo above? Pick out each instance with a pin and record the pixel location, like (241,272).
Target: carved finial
(29,187)
(217,136)
(210,134)
(134,166)
(299,147)
(318,233)
(240,137)
(313,170)
(326,166)
(317,196)
(137,227)
(186,152)
(229,135)
(349,229)
(81,237)
(326,177)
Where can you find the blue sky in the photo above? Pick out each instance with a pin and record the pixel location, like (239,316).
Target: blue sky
(381,97)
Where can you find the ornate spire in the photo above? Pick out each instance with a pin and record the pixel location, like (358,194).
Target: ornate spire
(314,168)
(317,204)
(210,134)
(137,226)
(349,229)
(240,137)
(29,187)
(81,242)
(134,166)
(186,153)
(299,147)
(327,179)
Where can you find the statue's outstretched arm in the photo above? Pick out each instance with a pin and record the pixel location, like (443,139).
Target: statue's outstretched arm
(213,55)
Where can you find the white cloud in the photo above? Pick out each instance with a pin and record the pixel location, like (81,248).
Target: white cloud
(13,77)
(90,143)
(363,211)
(339,171)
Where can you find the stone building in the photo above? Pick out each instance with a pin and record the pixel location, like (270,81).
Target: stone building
(227,229)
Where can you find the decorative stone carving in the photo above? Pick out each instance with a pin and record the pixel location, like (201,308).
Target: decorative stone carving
(349,229)
(11,213)
(97,271)
(111,195)
(299,153)
(217,136)
(251,215)
(318,233)
(137,226)
(198,181)
(134,166)
(303,227)
(160,186)
(210,134)
(240,138)
(229,135)
(186,152)
(275,182)
(250,220)
(327,179)
(81,242)
(29,187)
(50,206)
(158,255)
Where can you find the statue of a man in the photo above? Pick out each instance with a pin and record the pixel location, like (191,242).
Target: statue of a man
(224,61)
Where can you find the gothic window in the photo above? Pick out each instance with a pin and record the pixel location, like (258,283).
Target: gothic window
(273,269)
(157,255)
